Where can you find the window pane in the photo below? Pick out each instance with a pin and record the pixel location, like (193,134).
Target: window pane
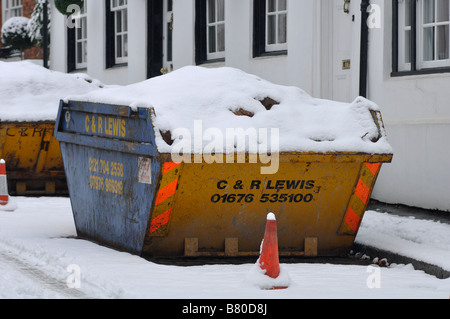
(442,11)
(428,11)
(118,21)
(220,10)
(221,37)
(408,47)
(212,39)
(271,29)
(211,11)
(84,27)
(125,20)
(408,13)
(119,46)
(282,5)
(282,25)
(442,42)
(85,51)
(272,6)
(79,53)
(169,42)
(428,44)
(125,45)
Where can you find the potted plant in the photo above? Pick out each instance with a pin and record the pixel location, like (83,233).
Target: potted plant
(63,6)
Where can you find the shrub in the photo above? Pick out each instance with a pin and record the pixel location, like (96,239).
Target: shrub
(15,34)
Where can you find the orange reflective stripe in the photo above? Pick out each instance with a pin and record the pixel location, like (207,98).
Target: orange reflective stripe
(373,167)
(362,191)
(160,221)
(360,198)
(164,200)
(352,219)
(169,166)
(166,192)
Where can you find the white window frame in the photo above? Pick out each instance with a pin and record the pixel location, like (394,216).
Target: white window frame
(279,45)
(403,64)
(11,8)
(120,10)
(421,64)
(421,25)
(217,53)
(81,38)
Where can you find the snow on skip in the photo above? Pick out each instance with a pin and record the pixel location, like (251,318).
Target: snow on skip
(30,93)
(228,98)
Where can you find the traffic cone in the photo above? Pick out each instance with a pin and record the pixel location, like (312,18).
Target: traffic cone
(4,196)
(269,260)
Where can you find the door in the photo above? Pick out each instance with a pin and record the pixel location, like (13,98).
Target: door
(155,33)
(342,52)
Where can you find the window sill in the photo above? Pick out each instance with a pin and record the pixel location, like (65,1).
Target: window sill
(221,60)
(271,54)
(118,65)
(79,70)
(421,72)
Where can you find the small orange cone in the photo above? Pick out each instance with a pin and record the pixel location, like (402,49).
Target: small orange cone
(269,259)
(4,196)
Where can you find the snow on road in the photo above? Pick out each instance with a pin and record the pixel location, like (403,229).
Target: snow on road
(40,257)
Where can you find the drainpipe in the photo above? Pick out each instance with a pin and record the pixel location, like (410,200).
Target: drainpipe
(364,48)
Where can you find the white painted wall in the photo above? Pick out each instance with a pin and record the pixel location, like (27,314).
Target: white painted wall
(301,67)
(416,112)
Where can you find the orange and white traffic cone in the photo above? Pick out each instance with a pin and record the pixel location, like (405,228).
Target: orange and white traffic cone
(4,196)
(269,260)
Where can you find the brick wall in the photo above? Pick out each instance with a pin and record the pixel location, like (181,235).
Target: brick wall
(28,7)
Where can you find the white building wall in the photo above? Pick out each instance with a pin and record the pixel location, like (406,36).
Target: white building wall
(58,42)
(302,66)
(416,112)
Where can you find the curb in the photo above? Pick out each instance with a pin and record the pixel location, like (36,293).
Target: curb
(430,269)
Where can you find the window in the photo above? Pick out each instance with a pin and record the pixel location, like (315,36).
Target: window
(81,40)
(116,32)
(276,23)
(421,35)
(12,8)
(209,31)
(215,18)
(77,42)
(270,27)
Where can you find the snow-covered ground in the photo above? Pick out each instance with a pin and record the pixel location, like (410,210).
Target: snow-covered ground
(40,257)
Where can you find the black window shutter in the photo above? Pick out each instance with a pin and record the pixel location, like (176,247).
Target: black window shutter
(200,32)
(259,27)
(155,37)
(71,63)
(110,43)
